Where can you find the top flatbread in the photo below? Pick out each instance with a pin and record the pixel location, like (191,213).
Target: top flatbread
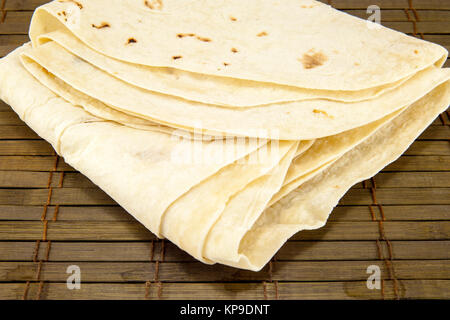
(301,43)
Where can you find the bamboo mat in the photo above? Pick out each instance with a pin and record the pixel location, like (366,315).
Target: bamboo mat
(52,217)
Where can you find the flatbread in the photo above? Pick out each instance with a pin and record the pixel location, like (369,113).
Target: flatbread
(303,120)
(148,160)
(300,104)
(324,152)
(300,43)
(188,220)
(310,205)
(203,88)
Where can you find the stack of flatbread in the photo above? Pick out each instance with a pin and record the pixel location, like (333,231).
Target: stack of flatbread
(225,126)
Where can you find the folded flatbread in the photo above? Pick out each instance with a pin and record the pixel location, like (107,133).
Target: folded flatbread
(229,127)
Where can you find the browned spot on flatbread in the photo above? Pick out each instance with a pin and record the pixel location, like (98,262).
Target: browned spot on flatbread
(154,4)
(233,18)
(101,25)
(204,39)
(78,4)
(416,51)
(131,40)
(313,59)
(226,64)
(234,50)
(176,57)
(182,35)
(64,13)
(323,113)
(262,34)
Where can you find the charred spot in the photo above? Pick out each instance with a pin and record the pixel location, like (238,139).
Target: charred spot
(226,64)
(204,39)
(176,57)
(182,35)
(313,59)
(78,4)
(154,4)
(262,34)
(131,40)
(102,25)
(234,50)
